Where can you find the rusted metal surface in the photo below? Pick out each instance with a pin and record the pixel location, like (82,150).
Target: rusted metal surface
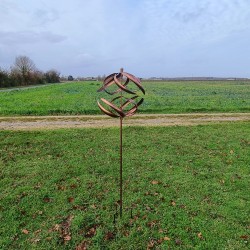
(121,106)
(113,109)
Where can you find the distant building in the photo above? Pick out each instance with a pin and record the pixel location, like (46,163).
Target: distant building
(90,78)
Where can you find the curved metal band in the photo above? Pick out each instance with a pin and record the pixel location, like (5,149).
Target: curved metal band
(107,112)
(120,111)
(121,86)
(111,79)
(116,78)
(108,81)
(133,110)
(129,101)
(135,80)
(114,92)
(111,105)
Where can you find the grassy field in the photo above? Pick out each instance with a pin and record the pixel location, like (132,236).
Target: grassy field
(161,97)
(189,187)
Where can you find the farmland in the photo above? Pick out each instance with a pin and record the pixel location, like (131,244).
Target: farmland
(161,98)
(188,187)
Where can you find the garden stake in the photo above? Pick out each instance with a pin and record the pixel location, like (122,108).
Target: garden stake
(119,111)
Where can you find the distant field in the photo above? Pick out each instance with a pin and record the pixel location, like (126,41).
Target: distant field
(161,97)
(189,187)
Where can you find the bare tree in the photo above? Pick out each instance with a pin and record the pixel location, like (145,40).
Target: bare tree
(24,72)
(24,67)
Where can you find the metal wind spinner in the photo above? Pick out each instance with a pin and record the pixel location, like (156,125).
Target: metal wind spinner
(122,105)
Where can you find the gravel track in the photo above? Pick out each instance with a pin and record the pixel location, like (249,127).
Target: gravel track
(98,121)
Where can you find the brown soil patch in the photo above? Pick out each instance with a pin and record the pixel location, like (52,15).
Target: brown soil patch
(97,121)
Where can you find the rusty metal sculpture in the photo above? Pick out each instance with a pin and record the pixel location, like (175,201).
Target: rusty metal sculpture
(120,106)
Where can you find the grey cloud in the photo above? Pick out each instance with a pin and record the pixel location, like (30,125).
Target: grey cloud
(29,37)
(188,16)
(184,21)
(43,16)
(187,11)
(8,7)
(53,38)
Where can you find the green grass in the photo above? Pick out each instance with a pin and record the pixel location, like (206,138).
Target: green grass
(190,184)
(161,97)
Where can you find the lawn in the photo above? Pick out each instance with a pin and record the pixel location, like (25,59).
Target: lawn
(189,188)
(161,98)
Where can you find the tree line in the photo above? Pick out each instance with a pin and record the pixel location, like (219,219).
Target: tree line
(24,72)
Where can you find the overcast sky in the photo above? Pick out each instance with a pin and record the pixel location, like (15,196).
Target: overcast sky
(147,37)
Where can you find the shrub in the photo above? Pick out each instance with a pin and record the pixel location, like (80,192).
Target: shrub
(4,78)
(52,76)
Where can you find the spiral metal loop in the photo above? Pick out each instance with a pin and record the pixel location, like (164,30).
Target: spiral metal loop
(117,80)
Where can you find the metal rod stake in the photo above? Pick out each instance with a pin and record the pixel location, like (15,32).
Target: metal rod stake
(121,166)
(121,202)
(124,110)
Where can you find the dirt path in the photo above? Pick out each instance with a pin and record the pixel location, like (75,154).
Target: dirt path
(55,122)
